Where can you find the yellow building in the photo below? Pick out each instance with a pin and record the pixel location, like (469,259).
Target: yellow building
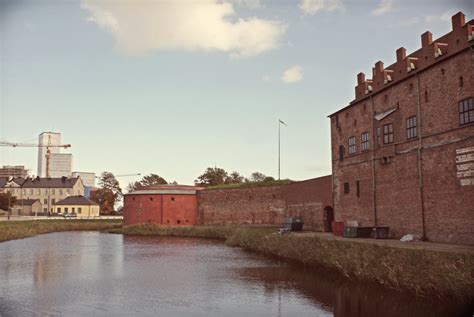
(27,207)
(79,206)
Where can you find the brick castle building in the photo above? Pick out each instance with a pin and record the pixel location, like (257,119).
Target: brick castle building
(403,150)
(172,205)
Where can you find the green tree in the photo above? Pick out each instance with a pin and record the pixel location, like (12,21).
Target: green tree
(7,201)
(257,177)
(108,194)
(212,176)
(146,181)
(234,178)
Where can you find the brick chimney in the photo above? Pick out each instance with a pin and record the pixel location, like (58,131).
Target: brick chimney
(401,54)
(426,39)
(458,20)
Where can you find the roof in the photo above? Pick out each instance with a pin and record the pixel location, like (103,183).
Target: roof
(77,201)
(170,189)
(54,182)
(26,202)
(5,180)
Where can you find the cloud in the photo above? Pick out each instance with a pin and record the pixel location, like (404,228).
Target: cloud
(192,25)
(266,78)
(384,7)
(314,6)
(252,4)
(293,74)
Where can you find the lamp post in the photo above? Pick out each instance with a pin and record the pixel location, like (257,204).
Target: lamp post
(280,122)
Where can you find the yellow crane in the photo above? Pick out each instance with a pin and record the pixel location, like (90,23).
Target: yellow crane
(47,146)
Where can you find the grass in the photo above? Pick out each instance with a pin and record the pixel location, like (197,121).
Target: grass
(10,230)
(252,184)
(421,272)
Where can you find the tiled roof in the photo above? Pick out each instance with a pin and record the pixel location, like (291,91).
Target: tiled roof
(56,182)
(25,202)
(17,180)
(76,201)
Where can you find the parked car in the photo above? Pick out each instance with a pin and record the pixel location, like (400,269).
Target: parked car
(70,216)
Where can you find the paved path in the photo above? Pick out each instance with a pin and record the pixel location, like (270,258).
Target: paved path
(442,247)
(25,218)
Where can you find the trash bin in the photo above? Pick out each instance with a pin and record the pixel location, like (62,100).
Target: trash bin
(337,228)
(380,232)
(294,223)
(357,232)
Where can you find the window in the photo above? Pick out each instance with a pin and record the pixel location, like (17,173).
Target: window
(53,201)
(65,209)
(358,189)
(364,141)
(341,152)
(73,210)
(45,201)
(38,191)
(79,210)
(53,191)
(352,145)
(60,191)
(388,133)
(461,81)
(346,188)
(31,191)
(45,209)
(466,111)
(411,127)
(45,190)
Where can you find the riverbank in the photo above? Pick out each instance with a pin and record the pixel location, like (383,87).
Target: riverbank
(10,230)
(420,271)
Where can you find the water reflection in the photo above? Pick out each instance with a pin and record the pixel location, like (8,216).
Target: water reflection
(88,273)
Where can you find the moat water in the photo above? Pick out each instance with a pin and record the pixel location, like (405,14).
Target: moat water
(90,273)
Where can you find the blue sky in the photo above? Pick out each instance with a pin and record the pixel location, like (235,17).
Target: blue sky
(174,87)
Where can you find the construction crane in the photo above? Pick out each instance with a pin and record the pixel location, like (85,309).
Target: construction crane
(47,146)
(125,175)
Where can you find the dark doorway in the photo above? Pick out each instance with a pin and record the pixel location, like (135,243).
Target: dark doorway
(328,217)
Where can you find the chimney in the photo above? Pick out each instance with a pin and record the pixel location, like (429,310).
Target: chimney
(401,54)
(426,39)
(379,67)
(457,21)
(360,78)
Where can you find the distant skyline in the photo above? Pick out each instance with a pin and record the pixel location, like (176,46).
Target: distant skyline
(172,87)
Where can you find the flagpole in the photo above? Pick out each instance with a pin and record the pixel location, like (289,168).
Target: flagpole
(279,125)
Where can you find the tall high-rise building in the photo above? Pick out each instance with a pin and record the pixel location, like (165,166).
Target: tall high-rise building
(88,178)
(60,164)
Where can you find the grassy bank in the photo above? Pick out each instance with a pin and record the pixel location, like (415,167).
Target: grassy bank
(10,230)
(421,272)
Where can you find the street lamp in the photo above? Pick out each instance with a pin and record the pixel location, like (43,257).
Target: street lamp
(280,122)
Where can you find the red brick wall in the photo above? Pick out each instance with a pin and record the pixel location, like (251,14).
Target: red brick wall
(160,209)
(390,193)
(267,205)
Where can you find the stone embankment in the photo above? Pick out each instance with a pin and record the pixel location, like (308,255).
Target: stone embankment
(424,271)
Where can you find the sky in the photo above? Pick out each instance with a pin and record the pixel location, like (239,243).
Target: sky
(174,87)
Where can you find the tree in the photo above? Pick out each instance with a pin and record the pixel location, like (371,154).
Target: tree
(269,179)
(212,176)
(146,181)
(152,180)
(257,177)
(234,178)
(7,201)
(108,194)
